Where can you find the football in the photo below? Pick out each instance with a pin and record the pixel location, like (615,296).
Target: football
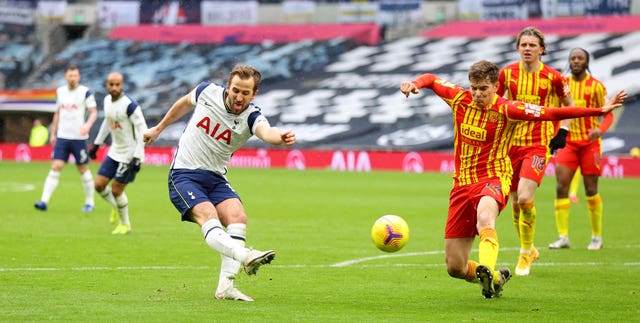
(390,233)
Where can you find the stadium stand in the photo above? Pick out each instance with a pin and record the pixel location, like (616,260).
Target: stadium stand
(334,93)
(157,73)
(20,54)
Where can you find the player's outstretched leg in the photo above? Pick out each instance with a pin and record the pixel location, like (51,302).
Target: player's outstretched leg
(256,258)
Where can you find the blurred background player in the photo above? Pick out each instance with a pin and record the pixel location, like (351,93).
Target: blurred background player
(39,134)
(123,119)
(69,134)
(222,122)
(533,82)
(482,176)
(583,150)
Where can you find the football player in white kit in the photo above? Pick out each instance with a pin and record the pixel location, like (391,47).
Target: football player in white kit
(69,134)
(222,121)
(123,119)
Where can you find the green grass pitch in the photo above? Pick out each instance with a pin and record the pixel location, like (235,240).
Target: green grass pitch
(62,265)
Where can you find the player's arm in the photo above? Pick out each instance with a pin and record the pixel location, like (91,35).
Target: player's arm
(567,101)
(442,88)
(139,127)
(502,90)
(605,124)
(93,116)
(524,111)
(413,87)
(274,135)
(560,139)
(100,138)
(54,126)
(607,119)
(180,108)
(92,109)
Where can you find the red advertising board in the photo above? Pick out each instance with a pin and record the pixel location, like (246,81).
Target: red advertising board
(568,26)
(339,160)
(363,33)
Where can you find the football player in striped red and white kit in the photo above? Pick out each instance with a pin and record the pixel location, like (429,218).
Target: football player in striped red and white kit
(223,119)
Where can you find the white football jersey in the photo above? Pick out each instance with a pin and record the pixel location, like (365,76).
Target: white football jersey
(212,134)
(72,108)
(123,118)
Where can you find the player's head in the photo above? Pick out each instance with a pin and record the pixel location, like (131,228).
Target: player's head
(115,84)
(483,81)
(579,61)
(72,76)
(241,88)
(530,45)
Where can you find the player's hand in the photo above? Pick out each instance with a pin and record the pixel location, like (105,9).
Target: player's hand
(134,164)
(408,87)
(615,102)
(93,152)
(84,130)
(150,135)
(594,134)
(559,141)
(288,138)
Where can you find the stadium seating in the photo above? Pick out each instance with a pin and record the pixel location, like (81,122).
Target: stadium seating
(336,93)
(19,55)
(158,73)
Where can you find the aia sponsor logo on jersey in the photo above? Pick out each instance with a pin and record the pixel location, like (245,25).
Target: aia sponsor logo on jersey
(215,131)
(68,106)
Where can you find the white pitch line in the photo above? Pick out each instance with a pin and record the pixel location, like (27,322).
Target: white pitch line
(16,187)
(359,261)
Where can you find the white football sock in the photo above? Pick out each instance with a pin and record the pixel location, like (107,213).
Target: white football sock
(87,184)
(123,208)
(50,185)
(220,241)
(107,195)
(229,266)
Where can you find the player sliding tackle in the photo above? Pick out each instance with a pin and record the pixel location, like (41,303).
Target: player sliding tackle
(483,125)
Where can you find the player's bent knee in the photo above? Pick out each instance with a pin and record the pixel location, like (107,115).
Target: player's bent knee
(456,272)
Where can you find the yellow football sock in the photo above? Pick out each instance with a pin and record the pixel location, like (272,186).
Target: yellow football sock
(575,183)
(527,224)
(594,204)
(488,248)
(516,217)
(563,207)
(471,272)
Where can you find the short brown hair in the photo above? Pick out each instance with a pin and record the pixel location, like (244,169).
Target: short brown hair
(484,70)
(246,71)
(71,68)
(532,31)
